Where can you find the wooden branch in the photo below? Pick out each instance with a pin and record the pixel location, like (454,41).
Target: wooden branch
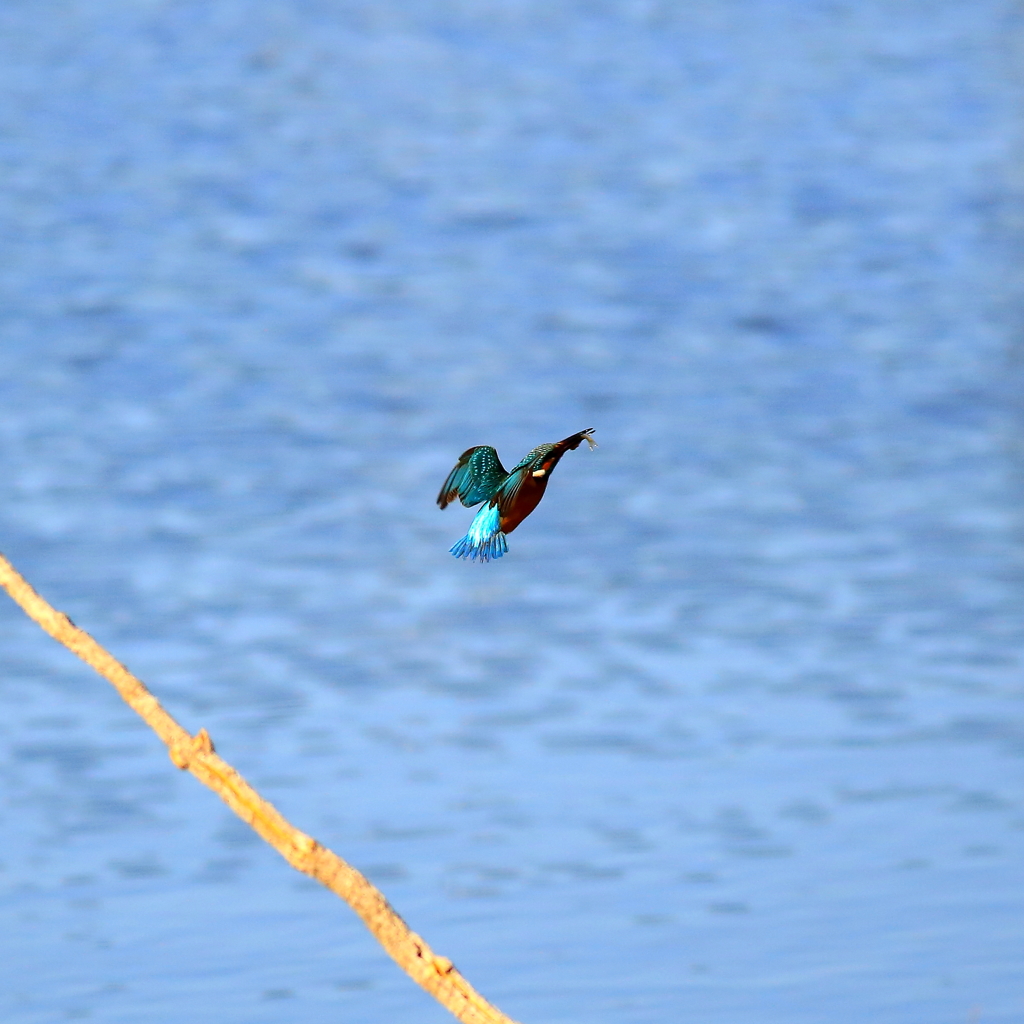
(435,973)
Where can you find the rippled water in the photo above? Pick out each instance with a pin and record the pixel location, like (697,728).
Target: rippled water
(734,732)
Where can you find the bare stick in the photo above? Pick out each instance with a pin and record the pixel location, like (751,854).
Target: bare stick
(436,974)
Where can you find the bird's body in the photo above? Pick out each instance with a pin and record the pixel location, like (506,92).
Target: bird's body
(509,497)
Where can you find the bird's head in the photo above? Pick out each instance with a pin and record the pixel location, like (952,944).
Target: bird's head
(573,442)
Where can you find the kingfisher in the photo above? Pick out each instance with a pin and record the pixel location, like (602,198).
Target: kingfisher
(509,497)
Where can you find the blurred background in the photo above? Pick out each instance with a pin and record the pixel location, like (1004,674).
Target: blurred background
(734,732)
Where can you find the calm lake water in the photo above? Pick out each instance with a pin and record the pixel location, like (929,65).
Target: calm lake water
(734,733)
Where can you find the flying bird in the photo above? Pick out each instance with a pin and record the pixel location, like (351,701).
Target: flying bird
(509,497)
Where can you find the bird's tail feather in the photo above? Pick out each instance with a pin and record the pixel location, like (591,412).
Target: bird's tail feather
(495,547)
(484,539)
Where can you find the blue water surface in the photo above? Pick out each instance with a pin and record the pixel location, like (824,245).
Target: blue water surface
(734,733)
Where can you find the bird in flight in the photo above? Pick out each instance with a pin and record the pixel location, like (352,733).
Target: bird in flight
(509,497)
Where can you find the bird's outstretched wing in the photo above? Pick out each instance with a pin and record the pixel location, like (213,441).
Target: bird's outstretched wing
(476,476)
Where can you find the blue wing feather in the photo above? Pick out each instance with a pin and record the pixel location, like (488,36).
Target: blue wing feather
(476,477)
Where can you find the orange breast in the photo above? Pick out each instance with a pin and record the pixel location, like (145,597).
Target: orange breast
(526,501)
